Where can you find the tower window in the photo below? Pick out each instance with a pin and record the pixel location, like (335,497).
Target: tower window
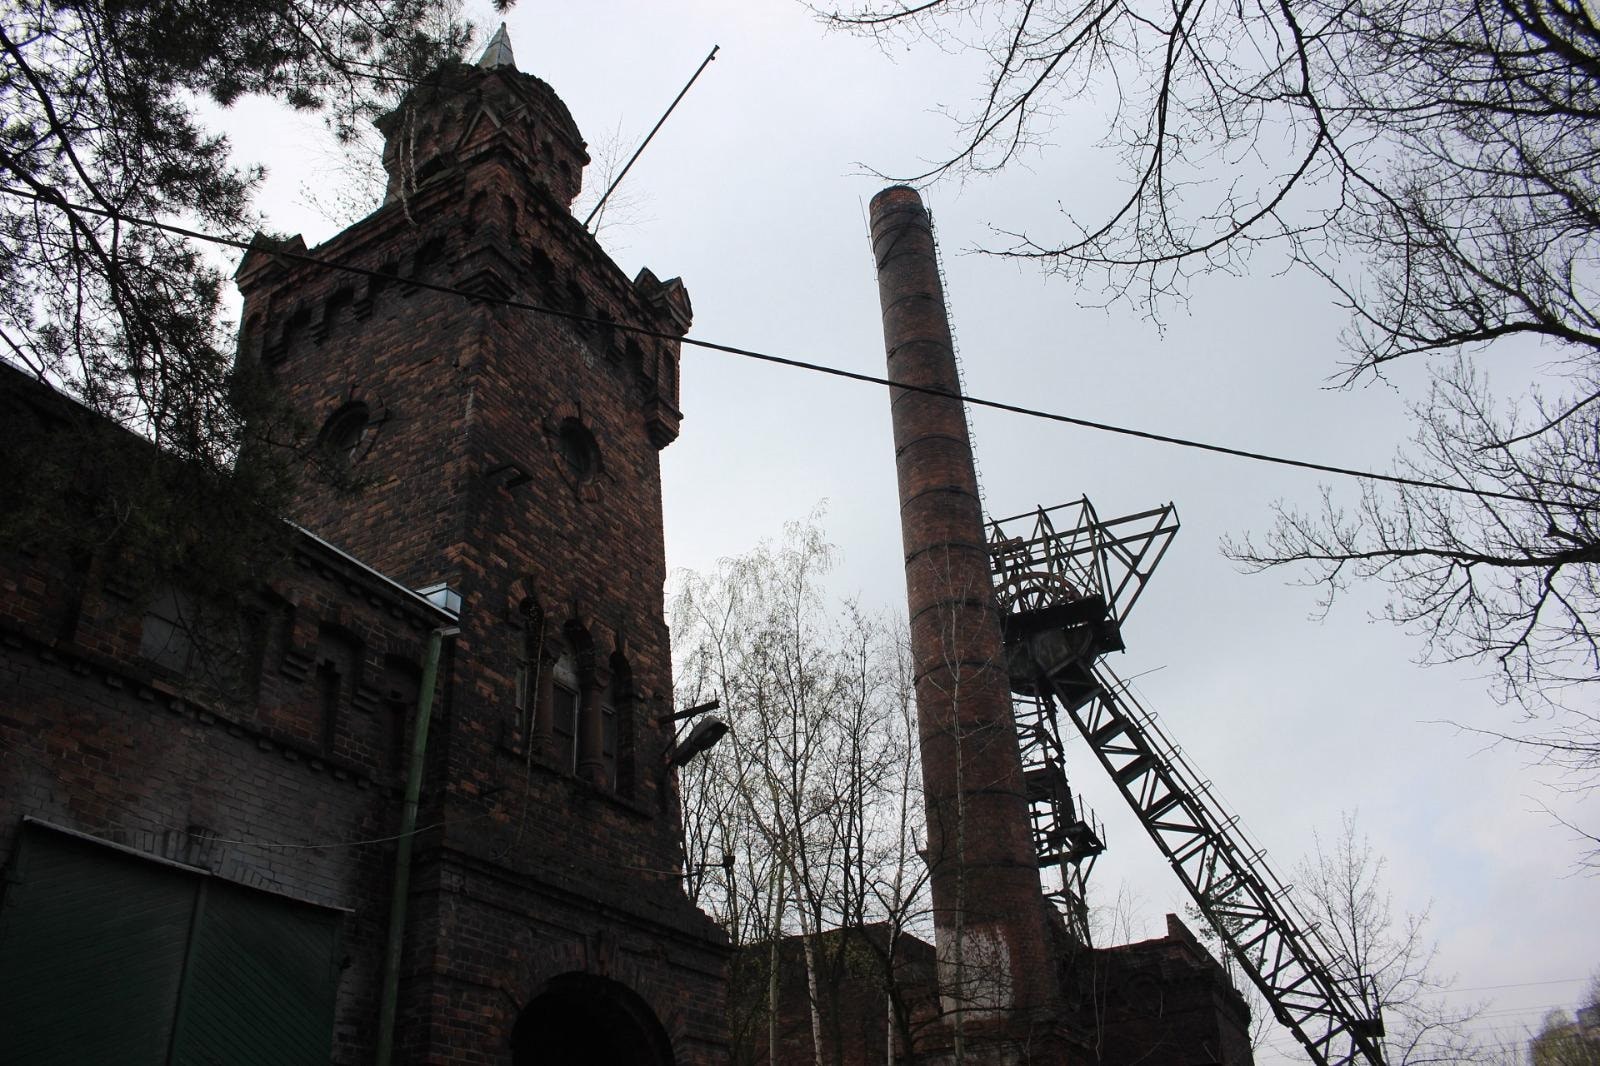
(564,727)
(345,430)
(608,740)
(578,450)
(564,712)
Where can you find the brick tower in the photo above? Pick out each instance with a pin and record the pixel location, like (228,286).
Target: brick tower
(510,459)
(994,933)
(1014,984)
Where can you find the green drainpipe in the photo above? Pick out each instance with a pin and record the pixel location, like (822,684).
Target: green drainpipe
(402,856)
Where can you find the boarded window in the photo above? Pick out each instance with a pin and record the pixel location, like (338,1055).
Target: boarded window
(564,712)
(110,957)
(216,646)
(166,637)
(564,727)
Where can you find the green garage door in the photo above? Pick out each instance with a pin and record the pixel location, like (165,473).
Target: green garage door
(109,957)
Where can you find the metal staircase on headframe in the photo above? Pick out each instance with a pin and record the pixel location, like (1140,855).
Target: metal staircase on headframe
(1065,582)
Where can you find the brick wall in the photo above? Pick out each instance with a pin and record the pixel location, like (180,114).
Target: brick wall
(1163,1002)
(513,456)
(462,470)
(252,776)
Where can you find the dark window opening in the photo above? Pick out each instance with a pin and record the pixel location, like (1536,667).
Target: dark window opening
(397,710)
(387,273)
(579,1018)
(253,626)
(530,665)
(338,667)
(273,354)
(524,695)
(577,301)
(344,296)
(345,430)
(219,646)
(564,727)
(608,744)
(578,450)
(542,267)
(432,250)
(403,683)
(328,685)
(166,637)
(428,169)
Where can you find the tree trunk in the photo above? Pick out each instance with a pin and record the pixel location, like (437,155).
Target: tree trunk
(775,930)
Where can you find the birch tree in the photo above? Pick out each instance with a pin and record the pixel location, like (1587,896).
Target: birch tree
(814,796)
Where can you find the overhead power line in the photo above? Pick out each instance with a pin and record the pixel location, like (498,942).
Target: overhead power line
(1515,984)
(60,203)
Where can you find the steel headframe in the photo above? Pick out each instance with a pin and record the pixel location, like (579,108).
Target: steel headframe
(1065,582)
(1065,554)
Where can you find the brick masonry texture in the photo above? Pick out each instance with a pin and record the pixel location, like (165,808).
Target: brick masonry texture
(1158,1002)
(1028,992)
(526,868)
(980,853)
(514,457)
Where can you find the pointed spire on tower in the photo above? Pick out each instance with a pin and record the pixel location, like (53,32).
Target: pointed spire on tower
(498,53)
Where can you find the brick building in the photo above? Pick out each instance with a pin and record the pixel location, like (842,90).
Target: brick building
(202,802)
(1158,1002)
(199,803)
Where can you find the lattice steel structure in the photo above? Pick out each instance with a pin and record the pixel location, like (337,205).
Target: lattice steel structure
(1066,835)
(1065,582)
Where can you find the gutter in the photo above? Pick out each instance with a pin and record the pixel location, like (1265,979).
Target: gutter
(399,591)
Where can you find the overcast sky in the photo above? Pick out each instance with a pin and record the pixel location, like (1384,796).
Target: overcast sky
(755,193)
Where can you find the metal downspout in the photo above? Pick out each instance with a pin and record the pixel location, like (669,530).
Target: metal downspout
(402,858)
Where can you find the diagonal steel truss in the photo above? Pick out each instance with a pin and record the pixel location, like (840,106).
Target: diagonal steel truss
(1064,588)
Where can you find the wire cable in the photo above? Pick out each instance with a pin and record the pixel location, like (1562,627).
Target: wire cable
(704,63)
(799,364)
(1515,984)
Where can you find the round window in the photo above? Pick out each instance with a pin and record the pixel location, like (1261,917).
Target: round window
(344,430)
(578,449)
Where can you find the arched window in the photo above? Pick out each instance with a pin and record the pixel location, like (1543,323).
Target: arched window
(618,707)
(564,705)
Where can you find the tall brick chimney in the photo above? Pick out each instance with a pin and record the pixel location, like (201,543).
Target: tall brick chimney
(991,921)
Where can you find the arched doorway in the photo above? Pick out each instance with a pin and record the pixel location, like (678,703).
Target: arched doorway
(582,1020)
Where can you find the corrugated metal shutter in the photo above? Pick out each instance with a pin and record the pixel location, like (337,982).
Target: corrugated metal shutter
(91,951)
(109,957)
(260,985)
